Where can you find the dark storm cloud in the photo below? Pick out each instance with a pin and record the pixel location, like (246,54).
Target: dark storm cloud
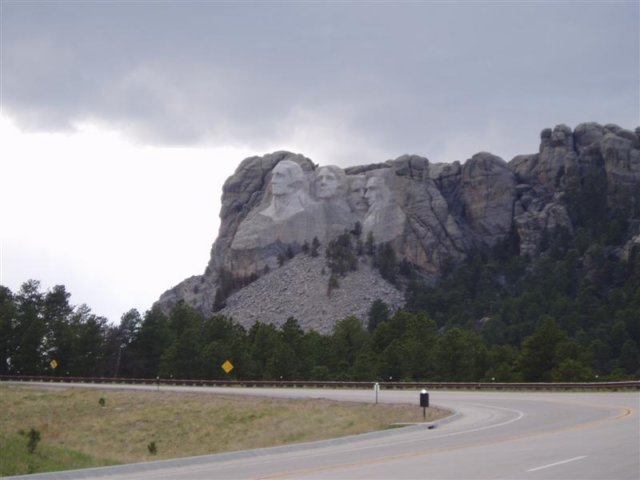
(403,78)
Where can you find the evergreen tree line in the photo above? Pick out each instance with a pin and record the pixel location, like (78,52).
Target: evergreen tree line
(37,327)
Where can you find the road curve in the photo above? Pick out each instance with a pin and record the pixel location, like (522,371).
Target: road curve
(492,435)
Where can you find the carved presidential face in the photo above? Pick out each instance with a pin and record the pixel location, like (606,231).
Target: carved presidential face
(377,193)
(286,178)
(357,198)
(327,182)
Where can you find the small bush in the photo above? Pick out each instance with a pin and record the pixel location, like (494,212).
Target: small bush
(315,245)
(33,440)
(152,448)
(102,402)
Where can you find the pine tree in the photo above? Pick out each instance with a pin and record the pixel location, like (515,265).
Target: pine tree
(378,313)
(315,246)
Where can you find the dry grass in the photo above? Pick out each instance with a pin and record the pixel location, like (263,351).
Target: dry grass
(183,424)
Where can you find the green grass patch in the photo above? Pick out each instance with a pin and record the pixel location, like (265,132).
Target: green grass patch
(77,430)
(15,458)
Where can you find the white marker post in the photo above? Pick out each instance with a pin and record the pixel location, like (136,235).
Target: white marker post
(376,389)
(424,403)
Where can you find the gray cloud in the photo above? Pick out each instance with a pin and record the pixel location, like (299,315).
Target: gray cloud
(411,78)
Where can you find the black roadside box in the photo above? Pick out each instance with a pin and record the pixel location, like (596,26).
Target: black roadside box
(424,399)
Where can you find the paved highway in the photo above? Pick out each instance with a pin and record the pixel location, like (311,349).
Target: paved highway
(492,435)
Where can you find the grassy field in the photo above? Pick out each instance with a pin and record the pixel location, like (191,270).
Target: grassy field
(86,427)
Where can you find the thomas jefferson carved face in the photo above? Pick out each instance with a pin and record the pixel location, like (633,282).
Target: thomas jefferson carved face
(357,199)
(327,182)
(286,178)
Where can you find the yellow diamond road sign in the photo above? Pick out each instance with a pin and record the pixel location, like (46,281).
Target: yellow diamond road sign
(53,364)
(227,366)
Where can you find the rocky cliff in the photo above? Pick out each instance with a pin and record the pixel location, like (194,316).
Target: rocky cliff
(431,214)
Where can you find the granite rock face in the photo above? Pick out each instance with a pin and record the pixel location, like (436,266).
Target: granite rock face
(431,214)
(488,187)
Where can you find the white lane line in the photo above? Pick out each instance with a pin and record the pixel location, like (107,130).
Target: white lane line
(556,463)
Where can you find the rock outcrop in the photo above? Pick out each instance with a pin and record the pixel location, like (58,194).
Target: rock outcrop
(432,215)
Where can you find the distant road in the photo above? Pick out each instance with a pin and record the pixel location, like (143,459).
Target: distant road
(493,435)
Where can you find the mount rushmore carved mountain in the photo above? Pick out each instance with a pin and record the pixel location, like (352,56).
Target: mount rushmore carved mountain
(430,214)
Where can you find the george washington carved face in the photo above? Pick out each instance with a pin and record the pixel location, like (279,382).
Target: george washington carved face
(286,178)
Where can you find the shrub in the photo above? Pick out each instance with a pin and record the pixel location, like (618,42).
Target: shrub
(33,440)
(152,448)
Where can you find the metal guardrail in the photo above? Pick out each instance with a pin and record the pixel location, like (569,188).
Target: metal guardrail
(621,385)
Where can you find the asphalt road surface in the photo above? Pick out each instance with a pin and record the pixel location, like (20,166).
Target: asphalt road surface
(492,435)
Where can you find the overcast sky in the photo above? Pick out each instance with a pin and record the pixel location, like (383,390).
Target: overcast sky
(120,120)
